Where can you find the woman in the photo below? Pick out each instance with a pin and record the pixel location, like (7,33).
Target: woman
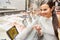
(44,23)
(47,21)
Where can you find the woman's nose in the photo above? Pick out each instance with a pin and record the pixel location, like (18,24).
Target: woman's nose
(42,12)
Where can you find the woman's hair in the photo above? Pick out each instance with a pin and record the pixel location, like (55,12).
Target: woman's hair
(55,23)
(49,2)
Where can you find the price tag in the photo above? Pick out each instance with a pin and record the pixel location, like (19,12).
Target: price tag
(12,32)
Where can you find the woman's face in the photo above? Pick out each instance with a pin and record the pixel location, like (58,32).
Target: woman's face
(45,10)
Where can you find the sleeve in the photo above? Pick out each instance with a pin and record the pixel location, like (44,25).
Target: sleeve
(38,22)
(41,31)
(24,34)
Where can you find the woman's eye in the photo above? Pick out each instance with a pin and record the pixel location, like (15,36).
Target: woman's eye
(45,9)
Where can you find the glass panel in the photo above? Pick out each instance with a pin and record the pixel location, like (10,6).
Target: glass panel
(32,5)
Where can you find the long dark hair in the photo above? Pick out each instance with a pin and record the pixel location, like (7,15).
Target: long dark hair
(55,23)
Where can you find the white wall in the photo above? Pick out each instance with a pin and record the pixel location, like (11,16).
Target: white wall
(19,4)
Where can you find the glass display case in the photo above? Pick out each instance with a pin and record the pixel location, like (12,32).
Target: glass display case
(32,5)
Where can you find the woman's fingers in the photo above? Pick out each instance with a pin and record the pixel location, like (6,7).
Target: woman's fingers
(37,27)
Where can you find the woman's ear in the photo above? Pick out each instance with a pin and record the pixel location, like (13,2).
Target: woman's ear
(52,8)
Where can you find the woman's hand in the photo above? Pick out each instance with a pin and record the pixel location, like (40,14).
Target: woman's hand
(37,28)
